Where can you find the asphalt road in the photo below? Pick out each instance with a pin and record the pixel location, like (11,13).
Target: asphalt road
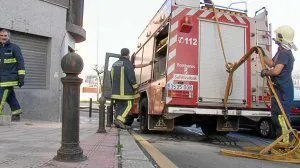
(188,147)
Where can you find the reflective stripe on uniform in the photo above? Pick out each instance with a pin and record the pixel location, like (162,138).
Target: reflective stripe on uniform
(122,82)
(21,72)
(135,86)
(4,97)
(9,61)
(16,112)
(121,119)
(125,97)
(8,84)
(125,113)
(128,108)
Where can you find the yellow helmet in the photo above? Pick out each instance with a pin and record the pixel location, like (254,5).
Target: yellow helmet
(285,35)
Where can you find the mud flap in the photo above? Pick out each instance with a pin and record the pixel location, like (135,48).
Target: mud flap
(158,123)
(229,124)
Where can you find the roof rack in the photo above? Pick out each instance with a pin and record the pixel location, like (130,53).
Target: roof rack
(229,7)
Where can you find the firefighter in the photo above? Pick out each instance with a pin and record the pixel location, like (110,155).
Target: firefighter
(281,67)
(124,88)
(12,73)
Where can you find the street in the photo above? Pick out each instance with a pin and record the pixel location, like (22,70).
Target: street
(188,147)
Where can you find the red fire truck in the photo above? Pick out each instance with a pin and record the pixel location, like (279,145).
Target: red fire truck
(187,82)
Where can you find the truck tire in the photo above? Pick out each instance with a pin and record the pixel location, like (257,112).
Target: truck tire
(209,127)
(144,116)
(265,128)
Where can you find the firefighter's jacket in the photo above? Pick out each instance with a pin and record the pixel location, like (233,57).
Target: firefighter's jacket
(123,80)
(12,67)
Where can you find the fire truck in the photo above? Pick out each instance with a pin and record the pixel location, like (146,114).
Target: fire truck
(186,83)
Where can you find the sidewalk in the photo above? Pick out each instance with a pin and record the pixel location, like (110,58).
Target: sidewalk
(35,143)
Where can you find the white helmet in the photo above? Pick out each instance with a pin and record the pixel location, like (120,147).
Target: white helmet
(285,35)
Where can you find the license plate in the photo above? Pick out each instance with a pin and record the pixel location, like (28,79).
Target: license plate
(182,87)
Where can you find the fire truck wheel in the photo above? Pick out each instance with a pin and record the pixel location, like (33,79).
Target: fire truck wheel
(209,127)
(265,128)
(144,116)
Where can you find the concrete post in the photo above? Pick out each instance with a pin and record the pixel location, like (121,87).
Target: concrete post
(90,107)
(72,65)
(101,128)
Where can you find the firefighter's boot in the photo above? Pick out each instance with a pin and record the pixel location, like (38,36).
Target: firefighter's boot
(120,124)
(15,115)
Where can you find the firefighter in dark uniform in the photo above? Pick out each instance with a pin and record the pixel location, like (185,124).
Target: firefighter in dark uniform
(123,87)
(281,74)
(12,73)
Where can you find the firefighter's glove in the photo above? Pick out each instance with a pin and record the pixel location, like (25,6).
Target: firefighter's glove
(21,81)
(263,72)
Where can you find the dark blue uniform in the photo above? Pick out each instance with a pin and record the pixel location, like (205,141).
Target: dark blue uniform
(123,87)
(283,85)
(12,73)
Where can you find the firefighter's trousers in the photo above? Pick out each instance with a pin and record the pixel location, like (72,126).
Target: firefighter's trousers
(123,108)
(278,120)
(7,94)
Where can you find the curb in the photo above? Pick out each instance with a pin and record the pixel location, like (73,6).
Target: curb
(132,155)
(156,156)
(119,151)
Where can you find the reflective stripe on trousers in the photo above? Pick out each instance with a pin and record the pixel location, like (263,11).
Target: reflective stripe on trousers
(7,94)
(123,108)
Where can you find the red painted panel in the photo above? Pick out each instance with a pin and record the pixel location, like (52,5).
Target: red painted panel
(186,60)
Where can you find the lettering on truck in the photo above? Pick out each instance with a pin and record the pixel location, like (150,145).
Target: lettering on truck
(185,66)
(184,77)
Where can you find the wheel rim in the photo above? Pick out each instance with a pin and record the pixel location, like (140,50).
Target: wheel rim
(264,128)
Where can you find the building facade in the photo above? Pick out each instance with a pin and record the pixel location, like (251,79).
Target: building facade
(45,30)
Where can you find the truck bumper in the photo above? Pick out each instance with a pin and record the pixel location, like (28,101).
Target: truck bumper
(201,111)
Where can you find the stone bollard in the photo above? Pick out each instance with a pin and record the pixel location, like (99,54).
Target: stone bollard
(101,128)
(70,150)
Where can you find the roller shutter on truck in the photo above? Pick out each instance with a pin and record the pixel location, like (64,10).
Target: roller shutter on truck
(212,72)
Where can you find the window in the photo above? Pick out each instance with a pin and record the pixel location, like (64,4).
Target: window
(147,57)
(161,53)
(138,60)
